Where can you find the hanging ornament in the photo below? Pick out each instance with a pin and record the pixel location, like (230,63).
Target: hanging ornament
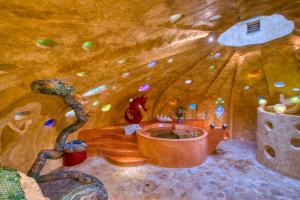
(219,101)
(219,111)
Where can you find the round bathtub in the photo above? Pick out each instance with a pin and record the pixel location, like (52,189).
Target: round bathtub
(173,152)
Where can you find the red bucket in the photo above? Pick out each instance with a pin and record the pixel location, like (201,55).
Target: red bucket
(75,158)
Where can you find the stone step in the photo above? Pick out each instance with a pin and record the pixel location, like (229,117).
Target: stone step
(120,152)
(114,144)
(100,131)
(116,136)
(126,161)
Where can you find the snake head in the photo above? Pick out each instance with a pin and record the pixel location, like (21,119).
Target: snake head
(52,87)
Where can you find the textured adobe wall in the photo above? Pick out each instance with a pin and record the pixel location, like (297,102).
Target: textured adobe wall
(275,146)
(138,32)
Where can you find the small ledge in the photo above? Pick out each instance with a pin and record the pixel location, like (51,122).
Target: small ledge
(272,113)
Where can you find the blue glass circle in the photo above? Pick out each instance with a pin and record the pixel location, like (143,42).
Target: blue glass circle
(49,122)
(279,84)
(192,106)
(260,97)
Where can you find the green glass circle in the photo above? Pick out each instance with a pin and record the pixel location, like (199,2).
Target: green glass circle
(46,42)
(88,45)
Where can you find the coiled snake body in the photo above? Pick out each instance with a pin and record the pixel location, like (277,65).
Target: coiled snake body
(90,183)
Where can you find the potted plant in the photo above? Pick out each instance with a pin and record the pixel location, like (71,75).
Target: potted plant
(179,111)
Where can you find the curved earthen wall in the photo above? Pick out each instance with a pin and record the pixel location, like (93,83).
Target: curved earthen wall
(278,142)
(128,35)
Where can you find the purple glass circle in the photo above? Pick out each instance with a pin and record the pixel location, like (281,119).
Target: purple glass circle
(144,88)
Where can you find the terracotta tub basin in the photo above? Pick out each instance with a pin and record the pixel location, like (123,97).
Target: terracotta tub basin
(173,145)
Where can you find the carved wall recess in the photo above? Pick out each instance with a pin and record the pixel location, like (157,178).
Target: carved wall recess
(14,128)
(20,126)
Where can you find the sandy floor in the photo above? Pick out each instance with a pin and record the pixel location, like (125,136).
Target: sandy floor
(231,174)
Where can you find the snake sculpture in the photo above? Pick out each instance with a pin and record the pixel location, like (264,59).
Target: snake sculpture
(90,184)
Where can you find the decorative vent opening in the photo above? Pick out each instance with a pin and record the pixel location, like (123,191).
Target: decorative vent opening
(295,142)
(253,26)
(269,125)
(269,151)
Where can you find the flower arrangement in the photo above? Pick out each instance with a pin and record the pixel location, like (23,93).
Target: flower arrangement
(179,110)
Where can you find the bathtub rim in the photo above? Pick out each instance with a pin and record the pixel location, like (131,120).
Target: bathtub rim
(144,130)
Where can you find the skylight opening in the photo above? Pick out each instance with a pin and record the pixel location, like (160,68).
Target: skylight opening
(265,29)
